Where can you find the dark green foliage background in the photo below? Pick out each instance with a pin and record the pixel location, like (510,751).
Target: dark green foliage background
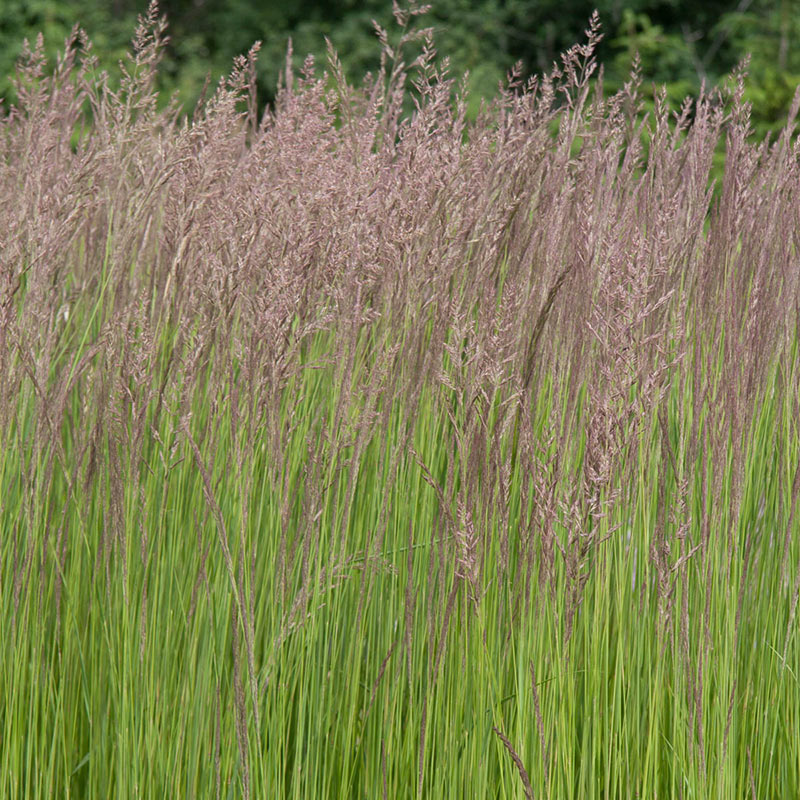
(681,42)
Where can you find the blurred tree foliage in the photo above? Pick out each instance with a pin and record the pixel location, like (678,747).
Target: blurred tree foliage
(681,43)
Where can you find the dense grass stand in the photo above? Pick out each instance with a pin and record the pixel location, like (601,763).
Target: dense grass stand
(375,452)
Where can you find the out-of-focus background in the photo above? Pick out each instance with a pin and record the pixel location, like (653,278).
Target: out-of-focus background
(681,42)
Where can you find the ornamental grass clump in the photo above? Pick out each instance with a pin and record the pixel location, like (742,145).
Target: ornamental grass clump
(372,450)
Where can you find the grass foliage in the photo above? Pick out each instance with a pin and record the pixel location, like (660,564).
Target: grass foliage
(357,454)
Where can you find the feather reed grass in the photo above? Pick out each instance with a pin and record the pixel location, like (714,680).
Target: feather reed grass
(361,453)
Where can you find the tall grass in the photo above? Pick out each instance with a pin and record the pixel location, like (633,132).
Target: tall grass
(353,453)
